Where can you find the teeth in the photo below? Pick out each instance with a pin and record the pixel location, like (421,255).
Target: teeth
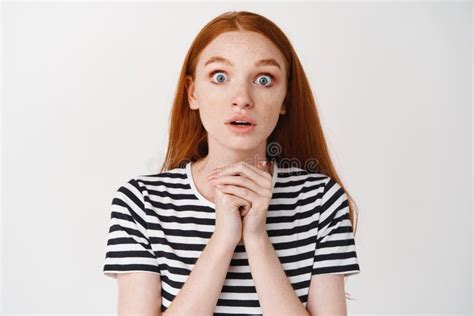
(241,122)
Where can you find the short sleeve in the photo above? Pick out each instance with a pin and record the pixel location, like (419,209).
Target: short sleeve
(128,246)
(335,251)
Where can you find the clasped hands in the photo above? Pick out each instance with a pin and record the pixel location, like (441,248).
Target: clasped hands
(252,183)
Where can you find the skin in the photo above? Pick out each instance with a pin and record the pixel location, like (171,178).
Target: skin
(239,92)
(232,161)
(239,89)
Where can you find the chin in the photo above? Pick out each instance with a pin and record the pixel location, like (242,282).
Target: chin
(244,143)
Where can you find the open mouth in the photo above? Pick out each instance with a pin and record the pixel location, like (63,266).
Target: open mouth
(241,127)
(241,123)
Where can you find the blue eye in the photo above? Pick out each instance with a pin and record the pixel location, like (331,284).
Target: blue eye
(221,77)
(266,80)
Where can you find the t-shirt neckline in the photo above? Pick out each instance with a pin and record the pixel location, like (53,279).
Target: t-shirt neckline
(206,201)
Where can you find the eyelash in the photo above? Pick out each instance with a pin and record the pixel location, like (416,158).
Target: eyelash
(265,73)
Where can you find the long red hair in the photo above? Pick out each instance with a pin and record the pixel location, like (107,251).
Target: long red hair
(298,136)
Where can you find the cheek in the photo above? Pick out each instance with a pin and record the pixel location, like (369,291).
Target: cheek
(209,106)
(266,123)
(211,117)
(271,99)
(272,119)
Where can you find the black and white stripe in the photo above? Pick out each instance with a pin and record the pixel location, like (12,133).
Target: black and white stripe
(160,224)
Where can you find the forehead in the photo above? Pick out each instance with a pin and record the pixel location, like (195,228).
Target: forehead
(241,47)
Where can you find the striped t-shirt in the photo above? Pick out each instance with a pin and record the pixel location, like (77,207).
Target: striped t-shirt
(160,223)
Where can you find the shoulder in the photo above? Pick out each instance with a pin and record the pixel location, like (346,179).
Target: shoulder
(311,180)
(143,184)
(166,175)
(136,188)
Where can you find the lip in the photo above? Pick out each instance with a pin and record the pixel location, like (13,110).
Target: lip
(241,117)
(242,129)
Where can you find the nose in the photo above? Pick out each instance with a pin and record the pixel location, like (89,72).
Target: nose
(242,97)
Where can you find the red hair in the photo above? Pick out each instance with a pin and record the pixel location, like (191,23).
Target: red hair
(298,135)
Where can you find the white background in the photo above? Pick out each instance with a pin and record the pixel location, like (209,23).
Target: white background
(86,94)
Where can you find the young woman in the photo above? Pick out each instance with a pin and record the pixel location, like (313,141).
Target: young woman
(218,231)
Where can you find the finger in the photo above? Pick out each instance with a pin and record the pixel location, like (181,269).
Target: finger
(242,203)
(241,192)
(264,166)
(258,166)
(261,168)
(238,192)
(266,169)
(259,176)
(241,181)
(245,212)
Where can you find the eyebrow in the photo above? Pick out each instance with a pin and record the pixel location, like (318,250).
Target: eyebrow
(262,62)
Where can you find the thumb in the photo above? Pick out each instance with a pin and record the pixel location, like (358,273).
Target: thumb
(262,165)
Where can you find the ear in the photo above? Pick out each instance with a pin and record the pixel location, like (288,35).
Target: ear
(190,87)
(283,107)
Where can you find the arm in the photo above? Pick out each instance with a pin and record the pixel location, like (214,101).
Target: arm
(201,290)
(139,294)
(335,254)
(275,293)
(326,295)
(129,257)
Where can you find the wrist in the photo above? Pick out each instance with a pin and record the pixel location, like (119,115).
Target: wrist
(224,239)
(256,237)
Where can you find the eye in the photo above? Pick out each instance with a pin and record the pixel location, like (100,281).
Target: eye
(264,80)
(221,76)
